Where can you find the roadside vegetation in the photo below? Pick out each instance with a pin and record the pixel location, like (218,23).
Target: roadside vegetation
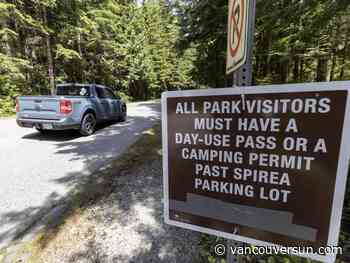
(130,46)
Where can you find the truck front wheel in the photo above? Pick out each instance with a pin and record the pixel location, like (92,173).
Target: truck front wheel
(88,124)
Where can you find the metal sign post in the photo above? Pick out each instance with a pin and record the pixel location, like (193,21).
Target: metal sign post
(243,76)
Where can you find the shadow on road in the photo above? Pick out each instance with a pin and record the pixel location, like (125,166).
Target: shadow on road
(69,135)
(55,136)
(136,208)
(96,153)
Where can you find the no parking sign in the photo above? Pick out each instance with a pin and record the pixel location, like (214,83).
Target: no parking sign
(237,39)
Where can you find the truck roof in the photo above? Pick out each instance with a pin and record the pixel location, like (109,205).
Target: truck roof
(81,84)
(73,84)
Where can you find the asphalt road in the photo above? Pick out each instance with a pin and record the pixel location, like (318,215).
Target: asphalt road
(38,170)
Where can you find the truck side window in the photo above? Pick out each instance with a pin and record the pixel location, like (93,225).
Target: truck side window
(73,90)
(100,93)
(110,94)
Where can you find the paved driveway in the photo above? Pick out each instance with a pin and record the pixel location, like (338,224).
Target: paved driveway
(37,170)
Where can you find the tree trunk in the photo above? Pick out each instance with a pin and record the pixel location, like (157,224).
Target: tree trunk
(301,72)
(284,71)
(296,68)
(49,54)
(267,48)
(321,73)
(334,63)
(342,71)
(344,54)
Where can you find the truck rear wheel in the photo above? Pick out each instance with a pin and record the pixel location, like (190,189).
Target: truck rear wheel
(42,131)
(88,124)
(123,117)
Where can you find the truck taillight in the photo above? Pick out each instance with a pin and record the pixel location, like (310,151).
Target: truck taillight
(66,106)
(17,104)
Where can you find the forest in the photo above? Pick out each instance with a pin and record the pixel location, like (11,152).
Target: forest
(141,48)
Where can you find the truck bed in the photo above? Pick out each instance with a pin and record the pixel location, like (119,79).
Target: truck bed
(39,107)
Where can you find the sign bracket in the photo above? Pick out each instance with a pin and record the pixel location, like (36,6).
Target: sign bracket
(234,258)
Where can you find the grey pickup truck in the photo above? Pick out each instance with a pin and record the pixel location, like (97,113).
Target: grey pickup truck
(74,106)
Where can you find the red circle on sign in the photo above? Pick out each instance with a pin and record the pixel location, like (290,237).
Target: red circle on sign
(234,26)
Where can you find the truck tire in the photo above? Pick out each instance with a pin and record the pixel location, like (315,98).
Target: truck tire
(41,130)
(88,124)
(123,117)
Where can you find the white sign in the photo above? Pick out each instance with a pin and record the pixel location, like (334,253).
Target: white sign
(237,34)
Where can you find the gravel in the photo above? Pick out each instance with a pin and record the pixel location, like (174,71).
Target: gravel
(126,226)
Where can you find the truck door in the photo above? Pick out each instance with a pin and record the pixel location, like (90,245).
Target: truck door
(114,104)
(103,103)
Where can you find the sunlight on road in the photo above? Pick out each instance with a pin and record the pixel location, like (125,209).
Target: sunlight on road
(39,169)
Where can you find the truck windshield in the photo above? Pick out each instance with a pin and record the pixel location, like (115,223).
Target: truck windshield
(73,91)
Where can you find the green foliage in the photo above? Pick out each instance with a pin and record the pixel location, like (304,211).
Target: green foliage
(67,54)
(125,97)
(125,45)
(295,41)
(7,106)
(12,82)
(144,49)
(207,245)
(204,24)
(305,47)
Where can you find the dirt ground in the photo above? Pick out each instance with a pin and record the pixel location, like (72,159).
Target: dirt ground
(126,226)
(115,216)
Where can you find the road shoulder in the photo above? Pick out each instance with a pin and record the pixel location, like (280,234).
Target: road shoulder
(117,216)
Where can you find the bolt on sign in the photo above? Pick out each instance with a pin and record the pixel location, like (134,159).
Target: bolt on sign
(271,161)
(237,34)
